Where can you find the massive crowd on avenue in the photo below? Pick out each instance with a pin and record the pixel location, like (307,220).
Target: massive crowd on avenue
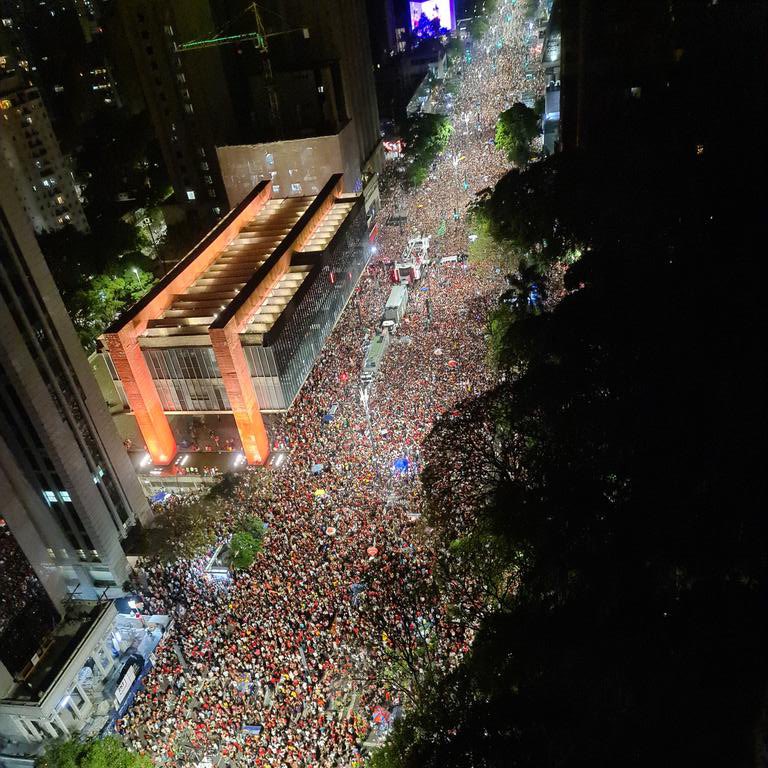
(290,662)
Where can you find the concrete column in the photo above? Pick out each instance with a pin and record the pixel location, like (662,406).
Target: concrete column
(142,395)
(57,719)
(48,727)
(74,709)
(86,698)
(236,376)
(86,590)
(29,729)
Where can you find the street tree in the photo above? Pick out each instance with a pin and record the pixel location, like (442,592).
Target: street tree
(108,752)
(182,529)
(246,543)
(515,130)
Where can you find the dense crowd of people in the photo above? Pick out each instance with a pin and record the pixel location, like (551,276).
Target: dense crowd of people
(292,661)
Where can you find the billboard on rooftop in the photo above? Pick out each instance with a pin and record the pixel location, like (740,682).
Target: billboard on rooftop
(427,16)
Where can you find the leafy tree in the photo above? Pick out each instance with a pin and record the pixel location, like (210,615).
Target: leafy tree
(515,129)
(605,493)
(108,752)
(243,549)
(183,530)
(98,274)
(426,137)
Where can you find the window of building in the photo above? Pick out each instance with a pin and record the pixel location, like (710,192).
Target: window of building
(50,497)
(296,189)
(191,194)
(64,496)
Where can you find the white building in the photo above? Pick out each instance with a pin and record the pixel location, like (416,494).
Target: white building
(79,681)
(70,494)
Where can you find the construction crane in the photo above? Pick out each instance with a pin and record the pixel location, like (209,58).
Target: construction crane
(259,37)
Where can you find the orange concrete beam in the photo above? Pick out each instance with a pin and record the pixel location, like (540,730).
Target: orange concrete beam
(142,395)
(236,376)
(225,332)
(252,303)
(195,263)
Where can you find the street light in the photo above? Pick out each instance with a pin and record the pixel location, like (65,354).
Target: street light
(455,162)
(364,397)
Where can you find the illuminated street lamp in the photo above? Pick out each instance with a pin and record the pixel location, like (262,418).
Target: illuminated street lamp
(455,163)
(364,397)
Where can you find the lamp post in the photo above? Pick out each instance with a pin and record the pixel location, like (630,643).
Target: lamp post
(364,397)
(455,162)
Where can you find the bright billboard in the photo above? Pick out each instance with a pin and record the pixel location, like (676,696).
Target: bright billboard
(427,16)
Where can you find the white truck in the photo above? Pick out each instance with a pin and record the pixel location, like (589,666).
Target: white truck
(395,308)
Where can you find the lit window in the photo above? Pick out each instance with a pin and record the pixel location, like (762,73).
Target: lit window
(64,496)
(276,189)
(191,195)
(50,496)
(60,199)
(270,158)
(296,189)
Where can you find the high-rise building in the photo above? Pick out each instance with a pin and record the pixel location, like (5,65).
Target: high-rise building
(38,170)
(69,492)
(62,47)
(186,97)
(313,81)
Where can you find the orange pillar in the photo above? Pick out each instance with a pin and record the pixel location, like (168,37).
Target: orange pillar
(142,395)
(242,396)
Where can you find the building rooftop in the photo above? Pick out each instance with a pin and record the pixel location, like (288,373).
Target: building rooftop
(56,649)
(244,272)
(193,311)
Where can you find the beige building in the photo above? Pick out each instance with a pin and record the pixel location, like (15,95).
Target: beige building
(298,167)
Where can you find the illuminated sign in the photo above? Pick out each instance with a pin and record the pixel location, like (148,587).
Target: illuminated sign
(428,17)
(124,686)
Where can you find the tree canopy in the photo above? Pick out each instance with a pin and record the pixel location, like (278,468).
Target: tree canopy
(515,130)
(246,543)
(426,137)
(609,479)
(92,753)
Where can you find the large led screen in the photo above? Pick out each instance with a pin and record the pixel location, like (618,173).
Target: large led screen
(429,15)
